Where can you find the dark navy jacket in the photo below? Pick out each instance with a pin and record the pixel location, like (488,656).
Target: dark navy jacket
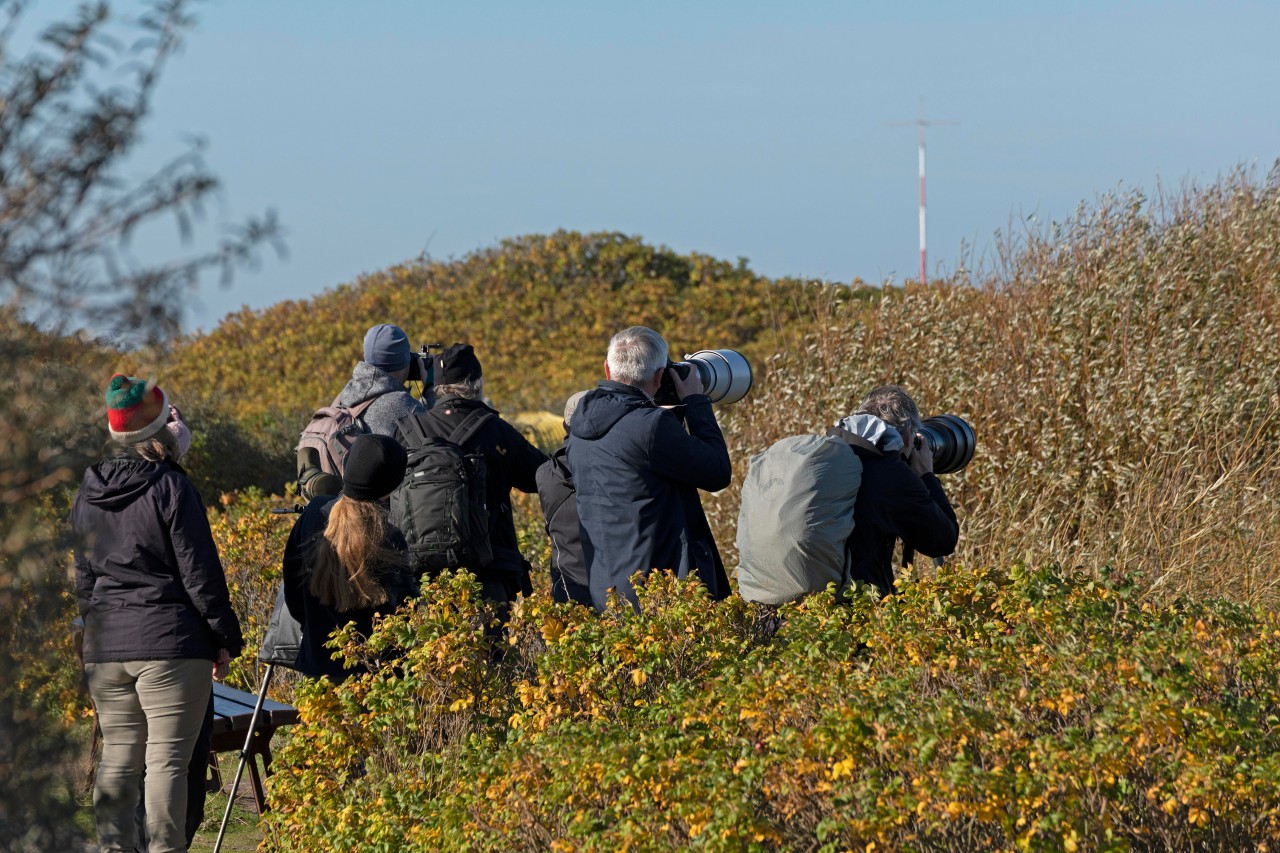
(894,503)
(149,583)
(637,473)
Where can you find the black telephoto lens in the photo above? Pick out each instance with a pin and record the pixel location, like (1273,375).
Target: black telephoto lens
(952,441)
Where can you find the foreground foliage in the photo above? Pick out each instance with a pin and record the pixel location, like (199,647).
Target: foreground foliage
(982,709)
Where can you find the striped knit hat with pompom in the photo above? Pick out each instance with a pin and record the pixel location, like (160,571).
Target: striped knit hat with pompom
(136,409)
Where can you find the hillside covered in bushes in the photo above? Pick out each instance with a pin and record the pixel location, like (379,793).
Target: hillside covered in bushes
(539,309)
(1119,368)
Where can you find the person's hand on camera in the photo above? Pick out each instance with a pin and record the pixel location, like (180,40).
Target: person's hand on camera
(222,666)
(691,384)
(920,457)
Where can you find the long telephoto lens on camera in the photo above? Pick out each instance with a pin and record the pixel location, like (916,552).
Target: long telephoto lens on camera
(952,441)
(726,374)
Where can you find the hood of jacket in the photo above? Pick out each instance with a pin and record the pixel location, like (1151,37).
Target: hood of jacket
(367,381)
(560,466)
(879,434)
(113,484)
(600,410)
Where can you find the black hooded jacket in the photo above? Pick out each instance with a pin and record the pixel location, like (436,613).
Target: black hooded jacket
(317,619)
(637,473)
(149,583)
(895,503)
(511,462)
(560,511)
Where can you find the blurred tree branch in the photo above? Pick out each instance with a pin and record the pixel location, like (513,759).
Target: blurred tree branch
(71,109)
(66,212)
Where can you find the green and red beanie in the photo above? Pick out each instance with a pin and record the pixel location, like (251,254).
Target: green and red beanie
(136,409)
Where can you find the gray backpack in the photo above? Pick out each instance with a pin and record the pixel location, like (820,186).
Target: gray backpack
(795,519)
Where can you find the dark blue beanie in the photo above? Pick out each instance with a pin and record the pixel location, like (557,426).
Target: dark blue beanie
(386,347)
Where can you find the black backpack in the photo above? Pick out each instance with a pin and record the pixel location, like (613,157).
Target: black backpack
(442,505)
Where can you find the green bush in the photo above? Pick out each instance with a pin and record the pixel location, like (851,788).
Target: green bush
(250,540)
(981,709)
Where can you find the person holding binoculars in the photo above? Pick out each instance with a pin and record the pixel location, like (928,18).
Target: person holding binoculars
(376,397)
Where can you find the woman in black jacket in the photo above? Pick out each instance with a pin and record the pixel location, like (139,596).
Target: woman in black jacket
(157,616)
(344,561)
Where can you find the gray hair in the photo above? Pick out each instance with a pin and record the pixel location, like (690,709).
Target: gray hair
(571,406)
(635,354)
(893,405)
(468,389)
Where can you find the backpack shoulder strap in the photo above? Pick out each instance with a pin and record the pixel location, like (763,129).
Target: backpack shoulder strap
(357,411)
(854,440)
(470,425)
(412,429)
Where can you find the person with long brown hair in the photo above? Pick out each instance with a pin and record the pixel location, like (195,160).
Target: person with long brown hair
(344,561)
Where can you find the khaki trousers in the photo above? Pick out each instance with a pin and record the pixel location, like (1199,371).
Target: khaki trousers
(150,713)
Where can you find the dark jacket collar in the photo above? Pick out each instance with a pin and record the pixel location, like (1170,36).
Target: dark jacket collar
(602,408)
(462,404)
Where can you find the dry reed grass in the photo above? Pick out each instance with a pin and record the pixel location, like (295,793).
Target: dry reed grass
(1121,370)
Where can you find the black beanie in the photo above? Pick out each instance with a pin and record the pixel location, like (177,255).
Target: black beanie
(457,364)
(374,467)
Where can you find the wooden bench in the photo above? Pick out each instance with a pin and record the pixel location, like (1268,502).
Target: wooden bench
(232,711)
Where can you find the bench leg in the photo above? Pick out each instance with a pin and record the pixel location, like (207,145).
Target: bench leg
(213,779)
(259,795)
(261,749)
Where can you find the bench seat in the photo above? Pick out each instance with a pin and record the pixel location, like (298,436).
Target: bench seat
(232,711)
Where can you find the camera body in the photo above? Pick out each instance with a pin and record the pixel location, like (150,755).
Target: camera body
(952,441)
(422,366)
(726,376)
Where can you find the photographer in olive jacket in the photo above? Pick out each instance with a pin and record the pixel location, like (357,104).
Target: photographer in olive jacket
(900,496)
(637,472)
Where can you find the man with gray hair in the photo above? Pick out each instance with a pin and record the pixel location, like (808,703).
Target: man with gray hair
(637,471)
(900,496)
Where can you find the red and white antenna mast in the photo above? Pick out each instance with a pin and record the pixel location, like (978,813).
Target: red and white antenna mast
(922,123)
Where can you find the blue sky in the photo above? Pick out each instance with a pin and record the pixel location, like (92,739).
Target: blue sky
(379,131)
